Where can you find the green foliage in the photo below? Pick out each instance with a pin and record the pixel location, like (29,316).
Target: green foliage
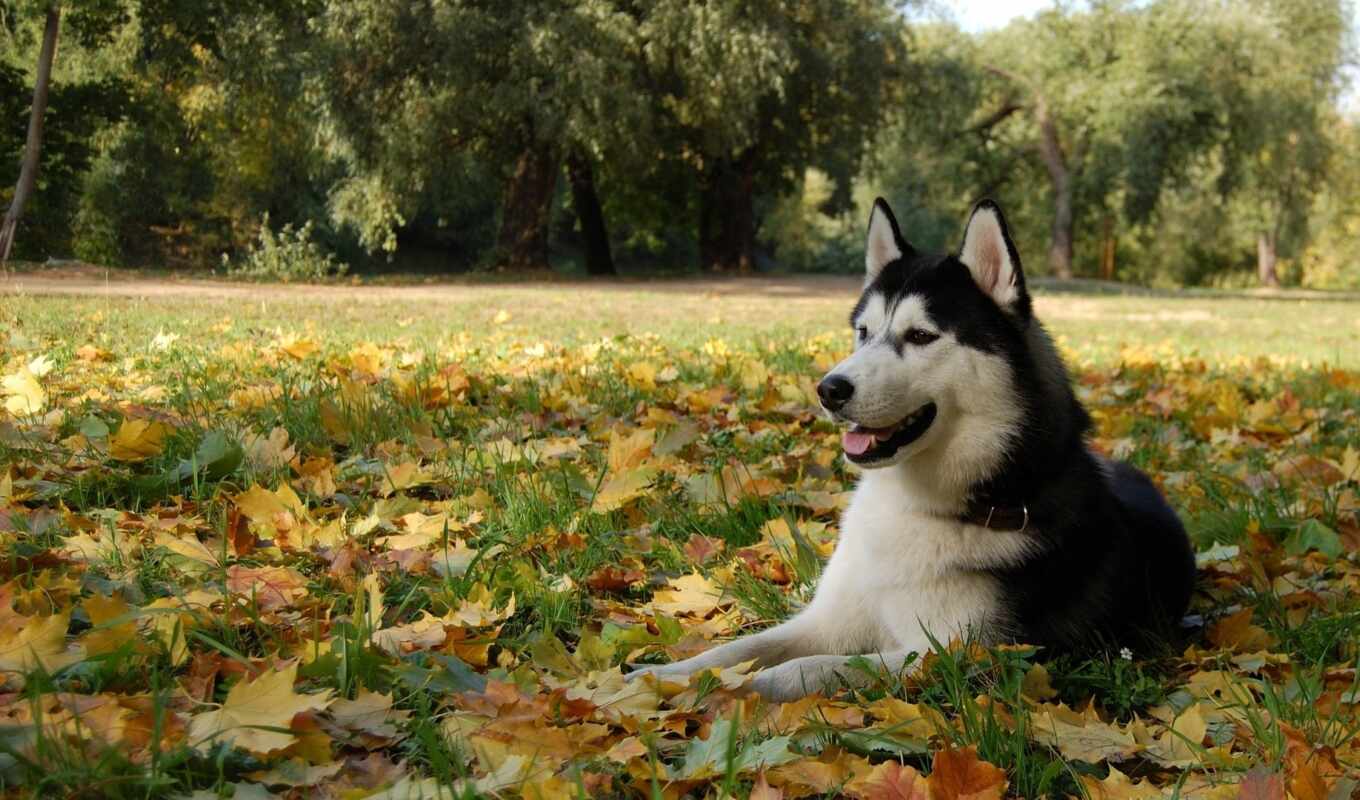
(288,255)
(435,135)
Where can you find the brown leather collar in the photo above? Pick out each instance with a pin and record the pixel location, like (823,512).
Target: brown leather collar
(1010,519)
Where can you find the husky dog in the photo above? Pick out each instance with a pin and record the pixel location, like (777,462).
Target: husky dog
(980,511)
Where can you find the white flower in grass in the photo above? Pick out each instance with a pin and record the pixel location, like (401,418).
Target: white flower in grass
(1126,654)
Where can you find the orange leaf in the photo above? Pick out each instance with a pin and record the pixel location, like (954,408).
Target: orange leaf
(961,775)
(1236,633)
(271,587)
(891,781)
(1307,784)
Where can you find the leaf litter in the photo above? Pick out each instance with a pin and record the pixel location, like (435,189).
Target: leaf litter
(277,566)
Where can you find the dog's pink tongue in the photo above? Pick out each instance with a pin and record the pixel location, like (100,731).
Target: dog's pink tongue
(857,443)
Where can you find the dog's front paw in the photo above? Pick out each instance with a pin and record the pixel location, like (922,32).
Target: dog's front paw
(794,680)
(677,672)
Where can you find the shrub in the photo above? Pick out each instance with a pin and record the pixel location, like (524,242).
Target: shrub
(288,255)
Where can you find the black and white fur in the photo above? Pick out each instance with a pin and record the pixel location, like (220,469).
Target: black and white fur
(971,405)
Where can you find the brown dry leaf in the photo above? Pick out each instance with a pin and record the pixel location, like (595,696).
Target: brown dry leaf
(255,710)
(699,549)
(611,578)
(961,775)
(1237,633)
(137,440)
(1308,469)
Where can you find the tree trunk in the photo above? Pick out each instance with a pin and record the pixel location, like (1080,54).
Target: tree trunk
(594,234)
(1050,150)
(1265,260)
(28,169)
(523,238)
(1107,250)
(727,226)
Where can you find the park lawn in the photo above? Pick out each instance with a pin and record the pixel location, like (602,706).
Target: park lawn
(373,542)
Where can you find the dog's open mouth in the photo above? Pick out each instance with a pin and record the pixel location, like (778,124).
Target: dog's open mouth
(872,444)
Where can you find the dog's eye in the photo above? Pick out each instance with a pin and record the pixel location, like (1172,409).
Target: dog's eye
(919,337)
(861,333)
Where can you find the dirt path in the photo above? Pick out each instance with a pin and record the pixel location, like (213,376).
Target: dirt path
(91,281)
(94,282)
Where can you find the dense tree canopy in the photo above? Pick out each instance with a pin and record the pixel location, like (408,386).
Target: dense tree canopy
(1176,140)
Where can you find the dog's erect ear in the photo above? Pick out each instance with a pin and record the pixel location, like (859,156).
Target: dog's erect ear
(885,244)
(990,256)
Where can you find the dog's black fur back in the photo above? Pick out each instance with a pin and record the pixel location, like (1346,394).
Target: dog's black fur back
(1115,568)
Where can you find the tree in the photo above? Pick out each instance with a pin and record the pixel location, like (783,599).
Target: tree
(758,91)
(1280,108)
(406,87)
(28,171)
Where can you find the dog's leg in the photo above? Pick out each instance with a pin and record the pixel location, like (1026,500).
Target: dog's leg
(793,639)
(823,673)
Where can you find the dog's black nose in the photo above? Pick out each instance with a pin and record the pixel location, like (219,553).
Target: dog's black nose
(835,392)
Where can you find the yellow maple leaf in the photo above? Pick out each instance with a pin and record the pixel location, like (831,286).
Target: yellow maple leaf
(1082,735)
(630,450)
(297,346)
(257,714)
(108,633)
(23,394)
(688,594)
(642,374)
(39,641)
(622,488)
(279,509)
(137,440)
(1119,786)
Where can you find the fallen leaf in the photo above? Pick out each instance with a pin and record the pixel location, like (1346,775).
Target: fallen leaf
(271,588)
(137,440)
(890,781)
(961,775)
(257,714)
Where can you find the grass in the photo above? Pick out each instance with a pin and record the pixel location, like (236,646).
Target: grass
(542,467)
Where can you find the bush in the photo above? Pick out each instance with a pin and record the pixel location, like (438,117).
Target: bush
(289,255)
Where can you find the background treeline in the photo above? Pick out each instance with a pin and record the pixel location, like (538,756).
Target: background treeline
(1170,141)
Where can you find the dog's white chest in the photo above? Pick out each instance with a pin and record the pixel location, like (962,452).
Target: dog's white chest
(898,573)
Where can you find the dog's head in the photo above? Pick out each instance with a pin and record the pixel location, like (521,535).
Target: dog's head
(936,339)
